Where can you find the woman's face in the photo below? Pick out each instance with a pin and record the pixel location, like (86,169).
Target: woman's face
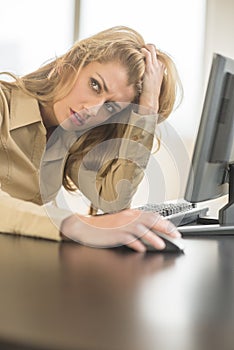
(100,91)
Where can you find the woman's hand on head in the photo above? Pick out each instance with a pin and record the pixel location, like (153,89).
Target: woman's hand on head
(122,228)
(152,80)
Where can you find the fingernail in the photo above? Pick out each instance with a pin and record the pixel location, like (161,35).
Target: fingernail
(177,234)
(161,244)
(173,230)
(142,249)
(171,227)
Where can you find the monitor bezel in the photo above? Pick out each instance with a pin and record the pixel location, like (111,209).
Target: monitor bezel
(208,180)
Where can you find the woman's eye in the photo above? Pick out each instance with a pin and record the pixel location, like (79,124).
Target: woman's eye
(95,85)
(109,107)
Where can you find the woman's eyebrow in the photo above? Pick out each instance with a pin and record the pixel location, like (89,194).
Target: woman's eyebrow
(103,82)
(106,89)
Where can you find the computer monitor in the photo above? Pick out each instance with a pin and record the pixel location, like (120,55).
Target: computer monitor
(212,170)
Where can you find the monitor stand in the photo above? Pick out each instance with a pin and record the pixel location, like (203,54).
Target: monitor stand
(226,214)
(206,230)
(225,224)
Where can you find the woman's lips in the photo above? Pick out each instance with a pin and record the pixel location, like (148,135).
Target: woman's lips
(77,118)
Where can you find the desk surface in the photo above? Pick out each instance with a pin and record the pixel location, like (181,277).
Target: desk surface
(68,297)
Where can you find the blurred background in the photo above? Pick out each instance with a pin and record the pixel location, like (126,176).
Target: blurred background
(190,31)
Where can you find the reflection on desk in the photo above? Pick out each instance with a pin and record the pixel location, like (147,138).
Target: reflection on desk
(67,296)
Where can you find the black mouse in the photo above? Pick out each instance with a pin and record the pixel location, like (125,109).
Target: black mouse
(173,245)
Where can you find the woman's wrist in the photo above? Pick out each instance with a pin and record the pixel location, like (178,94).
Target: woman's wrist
(149,104)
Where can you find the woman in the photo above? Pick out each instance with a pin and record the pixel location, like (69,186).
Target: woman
(96,81)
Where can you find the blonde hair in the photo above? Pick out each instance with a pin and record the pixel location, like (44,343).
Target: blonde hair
(54,80)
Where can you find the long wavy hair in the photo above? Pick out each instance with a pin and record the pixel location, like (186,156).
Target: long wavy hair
(54,80)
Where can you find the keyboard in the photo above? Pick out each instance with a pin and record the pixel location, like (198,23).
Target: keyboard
(179,213)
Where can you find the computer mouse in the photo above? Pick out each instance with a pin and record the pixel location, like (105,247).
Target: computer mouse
(173,245)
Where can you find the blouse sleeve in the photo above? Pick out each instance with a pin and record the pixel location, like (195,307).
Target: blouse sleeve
(26,218)
(124,161)
(18,216)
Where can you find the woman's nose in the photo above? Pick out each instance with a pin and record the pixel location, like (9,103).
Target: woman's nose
(94,107)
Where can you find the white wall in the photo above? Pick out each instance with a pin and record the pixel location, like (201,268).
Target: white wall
(219,30)
(31,32)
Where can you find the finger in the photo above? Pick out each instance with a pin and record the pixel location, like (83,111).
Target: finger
(153,53)
(131,241)
(148,56)
(136,245)
(159,223)
(144,233)
(152,49)
(154,240)
(143,222)
(154,58)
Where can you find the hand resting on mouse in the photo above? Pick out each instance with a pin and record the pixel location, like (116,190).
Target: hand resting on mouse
(126,227)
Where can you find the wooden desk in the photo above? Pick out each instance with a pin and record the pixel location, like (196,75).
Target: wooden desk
(68,297)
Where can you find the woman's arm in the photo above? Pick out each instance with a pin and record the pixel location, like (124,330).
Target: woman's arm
(48,222)
(29,219)
(113,190)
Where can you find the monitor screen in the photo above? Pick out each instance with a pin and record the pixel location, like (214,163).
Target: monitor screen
(210,171)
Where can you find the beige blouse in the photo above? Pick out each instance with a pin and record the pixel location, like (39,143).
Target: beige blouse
(31,169)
